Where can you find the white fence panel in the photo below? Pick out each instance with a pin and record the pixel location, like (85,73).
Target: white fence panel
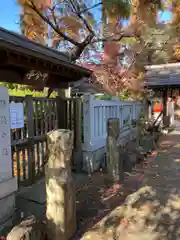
(96,114)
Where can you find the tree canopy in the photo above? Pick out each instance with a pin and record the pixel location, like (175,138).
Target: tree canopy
(93,34)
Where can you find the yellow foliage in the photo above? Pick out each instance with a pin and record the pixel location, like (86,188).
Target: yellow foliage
(177,51)
(70,22)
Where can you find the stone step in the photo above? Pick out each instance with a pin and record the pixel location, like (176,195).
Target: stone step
(27,207)
(7,226)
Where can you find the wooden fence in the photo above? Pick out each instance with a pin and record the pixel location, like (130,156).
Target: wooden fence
(29,148)
(87,117)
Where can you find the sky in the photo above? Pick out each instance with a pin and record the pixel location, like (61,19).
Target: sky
(9,16)
(10,11)
(165,16)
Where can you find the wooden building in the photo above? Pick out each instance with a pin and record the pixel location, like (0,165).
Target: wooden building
(26,62)
(164,81)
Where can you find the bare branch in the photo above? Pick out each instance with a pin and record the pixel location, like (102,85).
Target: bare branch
(118,37)
(76,53)
(89,28)
(55,28)
(133,61)
(90,8)
(79,47)
(53,15)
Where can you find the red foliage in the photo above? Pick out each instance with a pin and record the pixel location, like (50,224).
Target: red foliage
(113,78)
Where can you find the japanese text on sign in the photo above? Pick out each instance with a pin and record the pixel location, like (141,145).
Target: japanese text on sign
(16,115)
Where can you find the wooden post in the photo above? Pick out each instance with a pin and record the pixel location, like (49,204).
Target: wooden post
(164,105)
(150,112)
(78,123)
(30,131)
(77,153)
(60,189)
(138,131)
(61,93)
(114,163)
(61,113)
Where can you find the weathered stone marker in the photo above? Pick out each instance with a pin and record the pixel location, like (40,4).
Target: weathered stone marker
(8,184)
(60,189)
(114,163)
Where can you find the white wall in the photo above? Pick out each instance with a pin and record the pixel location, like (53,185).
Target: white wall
(96,114)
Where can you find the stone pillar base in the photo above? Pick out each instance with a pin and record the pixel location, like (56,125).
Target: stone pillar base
(7,200)
(64,196)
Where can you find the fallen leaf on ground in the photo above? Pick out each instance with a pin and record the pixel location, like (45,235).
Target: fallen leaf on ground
(153,154)
(124,222)
(117,186)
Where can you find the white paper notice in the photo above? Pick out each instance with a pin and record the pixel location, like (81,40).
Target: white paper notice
(17,115)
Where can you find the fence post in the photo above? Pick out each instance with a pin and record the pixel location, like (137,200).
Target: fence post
(61,113)
(134,111)
(77,153)
(30,131)
(78,122)
(88,120)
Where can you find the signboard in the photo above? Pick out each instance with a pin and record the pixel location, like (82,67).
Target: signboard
(16,115)
(5,139)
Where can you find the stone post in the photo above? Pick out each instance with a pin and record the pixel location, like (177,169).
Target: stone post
(138,131)
(8,184)
(114,163)
(60,189)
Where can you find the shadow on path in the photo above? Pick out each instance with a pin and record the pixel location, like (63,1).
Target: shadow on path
(145,206)
(152,208)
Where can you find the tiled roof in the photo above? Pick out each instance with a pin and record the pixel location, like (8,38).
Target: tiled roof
(163,75)
(13,41)
(22,41)
(86,86)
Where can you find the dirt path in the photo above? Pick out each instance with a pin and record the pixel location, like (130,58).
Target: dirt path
(146,206)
